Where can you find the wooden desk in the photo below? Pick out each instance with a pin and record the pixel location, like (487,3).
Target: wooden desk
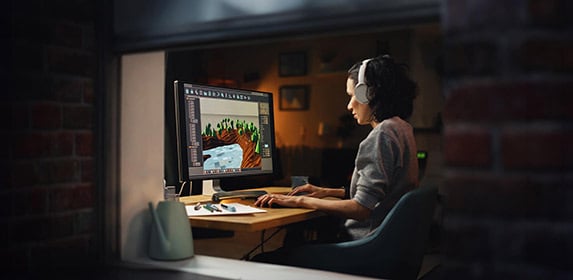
(274,217)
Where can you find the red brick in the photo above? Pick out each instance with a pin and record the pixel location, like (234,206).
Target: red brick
(524,101)
(481,15)
(29,145)
(20,116)
(78,117)
(454,17)
(467,241)
(470,58)
(36,201)
(57,171)
(84,144)
(61,199)
(62,225)
(66,34)
(67,90)
(39,91)
(71,198)
(66,61)
(41,144)
(51,66)
(64,254)
(467,147)
(547,244)
(87,170)
(89,91)
(509,197)
(28,57)
(83,196)
(29,229)
(24,174)
(549,12)
(46,115)
(520,210)
(14,260)
(537,149)
(63,144)
(84,222)
(546,55)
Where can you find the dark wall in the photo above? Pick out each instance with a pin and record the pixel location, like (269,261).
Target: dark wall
(47,187)
(507,139)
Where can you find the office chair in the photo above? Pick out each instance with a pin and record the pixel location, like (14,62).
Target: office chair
(395,249)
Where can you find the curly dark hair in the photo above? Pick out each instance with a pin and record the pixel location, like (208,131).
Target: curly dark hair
(390,92)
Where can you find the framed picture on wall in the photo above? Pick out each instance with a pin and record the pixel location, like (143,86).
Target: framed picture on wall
(292,64)
(294,97)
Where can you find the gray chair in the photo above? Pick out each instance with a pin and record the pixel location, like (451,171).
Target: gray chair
(394,251)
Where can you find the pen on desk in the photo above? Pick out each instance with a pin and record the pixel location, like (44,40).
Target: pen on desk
(228,207)
(197,206)
(216,208)
(208,207)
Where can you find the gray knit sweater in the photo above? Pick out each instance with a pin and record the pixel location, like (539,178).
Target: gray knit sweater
(386,168)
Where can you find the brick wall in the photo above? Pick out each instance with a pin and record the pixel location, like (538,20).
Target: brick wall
(507,139)
(47,186)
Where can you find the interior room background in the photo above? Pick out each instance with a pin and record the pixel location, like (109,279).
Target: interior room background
(320,139)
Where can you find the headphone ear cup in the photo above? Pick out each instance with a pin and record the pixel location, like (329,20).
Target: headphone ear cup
(360,93)
(361,89)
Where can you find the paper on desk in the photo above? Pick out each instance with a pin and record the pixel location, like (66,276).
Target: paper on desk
(239,210)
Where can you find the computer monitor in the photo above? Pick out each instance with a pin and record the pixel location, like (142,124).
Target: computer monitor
(222,133)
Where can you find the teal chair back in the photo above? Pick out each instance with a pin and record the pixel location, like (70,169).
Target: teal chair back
(395,250)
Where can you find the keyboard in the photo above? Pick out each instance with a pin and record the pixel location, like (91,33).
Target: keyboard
(218,196)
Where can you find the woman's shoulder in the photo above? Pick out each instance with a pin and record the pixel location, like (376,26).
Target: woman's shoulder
(394,122)
(394,125)
(391,130)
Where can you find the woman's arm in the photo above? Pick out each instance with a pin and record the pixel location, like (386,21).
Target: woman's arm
(347,208)
(318,192)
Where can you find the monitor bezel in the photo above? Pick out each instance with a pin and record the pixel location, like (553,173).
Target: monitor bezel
(181,138)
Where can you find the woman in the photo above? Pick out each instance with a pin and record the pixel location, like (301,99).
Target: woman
(381,95)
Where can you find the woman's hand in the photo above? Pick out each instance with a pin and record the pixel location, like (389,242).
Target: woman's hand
(299,197)
(268,200)
(310,190)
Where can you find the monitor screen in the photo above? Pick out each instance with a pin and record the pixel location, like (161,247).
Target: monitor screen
(223,132)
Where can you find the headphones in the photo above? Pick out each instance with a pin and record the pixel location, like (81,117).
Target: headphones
(361,89)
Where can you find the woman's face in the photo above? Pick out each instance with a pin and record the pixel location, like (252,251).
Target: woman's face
(361,112)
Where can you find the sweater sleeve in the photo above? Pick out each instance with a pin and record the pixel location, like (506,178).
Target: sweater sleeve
(375,164)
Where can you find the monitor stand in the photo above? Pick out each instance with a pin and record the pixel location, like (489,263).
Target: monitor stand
(207,187)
